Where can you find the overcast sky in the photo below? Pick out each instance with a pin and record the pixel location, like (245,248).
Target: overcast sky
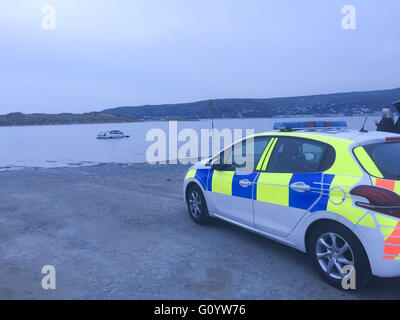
(107,53)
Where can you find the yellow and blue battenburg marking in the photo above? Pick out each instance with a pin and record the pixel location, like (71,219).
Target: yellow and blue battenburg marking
(275,188)
(239,191)
(319,183)
(201,175)
(228,183)
(269,187)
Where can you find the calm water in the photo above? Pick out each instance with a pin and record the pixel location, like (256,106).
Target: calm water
(76,145)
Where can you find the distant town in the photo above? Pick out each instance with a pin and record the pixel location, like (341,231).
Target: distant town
(339,104)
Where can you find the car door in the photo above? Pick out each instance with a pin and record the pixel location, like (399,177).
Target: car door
(232,190)
(290,183)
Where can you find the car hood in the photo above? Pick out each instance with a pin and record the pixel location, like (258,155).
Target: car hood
(201,165)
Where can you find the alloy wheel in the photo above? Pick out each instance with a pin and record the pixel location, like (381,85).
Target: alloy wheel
(195,204)
(333,253)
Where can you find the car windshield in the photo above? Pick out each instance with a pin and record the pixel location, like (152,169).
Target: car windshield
(386,157)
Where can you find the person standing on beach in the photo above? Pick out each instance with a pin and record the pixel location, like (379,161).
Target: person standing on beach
(387,122)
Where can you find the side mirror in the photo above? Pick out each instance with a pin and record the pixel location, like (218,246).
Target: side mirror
(223,167)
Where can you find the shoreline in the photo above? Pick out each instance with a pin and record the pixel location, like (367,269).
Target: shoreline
(189,120)
(97,164)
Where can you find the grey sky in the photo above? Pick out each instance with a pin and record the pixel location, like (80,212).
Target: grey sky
(114,53)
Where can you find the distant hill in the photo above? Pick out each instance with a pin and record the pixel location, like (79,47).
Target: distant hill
(339,104)
(21,119)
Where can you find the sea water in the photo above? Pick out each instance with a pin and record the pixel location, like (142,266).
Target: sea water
(76,145)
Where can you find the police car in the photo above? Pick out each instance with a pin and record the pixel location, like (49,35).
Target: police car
(315,186)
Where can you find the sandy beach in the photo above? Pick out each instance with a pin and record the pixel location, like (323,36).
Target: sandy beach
(123,232)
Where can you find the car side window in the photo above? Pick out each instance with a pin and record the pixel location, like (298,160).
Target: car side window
(246,154)
(297,155)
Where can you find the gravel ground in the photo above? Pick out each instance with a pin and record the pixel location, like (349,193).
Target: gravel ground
(123,232)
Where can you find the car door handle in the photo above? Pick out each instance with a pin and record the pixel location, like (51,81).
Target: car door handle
(300,187)
(245,183)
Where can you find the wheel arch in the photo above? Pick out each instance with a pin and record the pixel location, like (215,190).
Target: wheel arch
(363,234)
(365,266)
(318,222)
(312,227)
(192,182)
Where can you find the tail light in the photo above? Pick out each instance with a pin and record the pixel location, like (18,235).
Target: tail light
(380,200)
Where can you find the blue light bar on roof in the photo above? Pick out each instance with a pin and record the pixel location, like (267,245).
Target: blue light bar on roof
(309,124)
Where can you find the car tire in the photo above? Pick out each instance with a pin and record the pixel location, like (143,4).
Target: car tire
(197,205)
(327,250)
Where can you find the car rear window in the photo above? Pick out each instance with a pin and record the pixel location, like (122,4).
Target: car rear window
(386,157)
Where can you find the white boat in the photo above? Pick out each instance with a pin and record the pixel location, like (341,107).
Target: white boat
(114,134)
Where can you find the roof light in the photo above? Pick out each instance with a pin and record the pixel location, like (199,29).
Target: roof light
(309,124)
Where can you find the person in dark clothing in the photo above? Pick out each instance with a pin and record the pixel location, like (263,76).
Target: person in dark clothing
(397,125)
(387,122)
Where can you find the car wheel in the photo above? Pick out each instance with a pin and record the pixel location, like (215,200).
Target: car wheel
(197,205)
(333,247)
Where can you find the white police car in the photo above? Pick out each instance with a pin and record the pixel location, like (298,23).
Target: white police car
(315,186)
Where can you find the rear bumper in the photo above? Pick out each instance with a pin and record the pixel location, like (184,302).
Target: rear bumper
(388,269)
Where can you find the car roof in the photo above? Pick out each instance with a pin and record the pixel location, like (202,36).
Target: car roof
(352,136)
